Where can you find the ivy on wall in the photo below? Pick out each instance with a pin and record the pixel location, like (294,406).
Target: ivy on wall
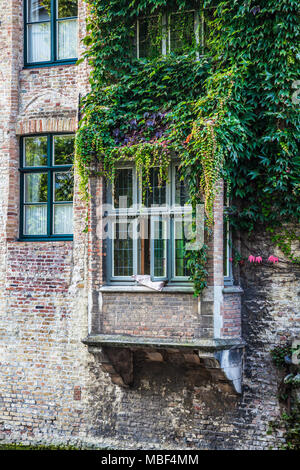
(228,113)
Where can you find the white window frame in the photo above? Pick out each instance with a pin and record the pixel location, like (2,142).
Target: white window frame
(166,31)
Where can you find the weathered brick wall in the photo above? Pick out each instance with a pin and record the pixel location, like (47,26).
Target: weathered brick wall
(51,389)
(151,314)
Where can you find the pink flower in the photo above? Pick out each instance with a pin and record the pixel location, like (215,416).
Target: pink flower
(273,259)
(230,259)
(258,259)
(251,259)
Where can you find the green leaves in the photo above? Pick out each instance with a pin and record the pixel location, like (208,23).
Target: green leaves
(236,102)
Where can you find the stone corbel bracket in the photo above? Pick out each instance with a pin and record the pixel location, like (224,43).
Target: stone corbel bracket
(222,358)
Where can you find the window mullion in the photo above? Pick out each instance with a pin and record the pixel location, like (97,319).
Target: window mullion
(165,34)
(53,30)
(50,187)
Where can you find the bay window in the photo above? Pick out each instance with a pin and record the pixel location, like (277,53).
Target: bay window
(147,226)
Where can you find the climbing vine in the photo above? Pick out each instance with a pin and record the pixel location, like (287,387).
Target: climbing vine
(220,99)
(288,394)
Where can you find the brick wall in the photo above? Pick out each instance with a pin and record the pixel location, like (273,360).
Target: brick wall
(51,389)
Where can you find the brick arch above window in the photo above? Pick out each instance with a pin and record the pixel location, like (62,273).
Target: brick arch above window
(46,125)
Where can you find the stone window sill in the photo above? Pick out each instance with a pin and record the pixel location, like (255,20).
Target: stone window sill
(141,289)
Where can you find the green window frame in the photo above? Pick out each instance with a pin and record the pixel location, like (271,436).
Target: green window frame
(161,258)
(49,34)
(46,187)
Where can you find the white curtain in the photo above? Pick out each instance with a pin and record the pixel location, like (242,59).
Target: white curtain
(67,39)
(35,220)
(39,42)
(63,219)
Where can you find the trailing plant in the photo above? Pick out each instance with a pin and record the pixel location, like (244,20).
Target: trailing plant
(290,418)
(228,113)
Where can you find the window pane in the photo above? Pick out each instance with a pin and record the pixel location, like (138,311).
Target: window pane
(36,186)
(123,188)
(67,39)
(160,248)
(66,9)
(63,219)
(123,251)
(181,189)
(38,10)
(226,249)
(144,246)
(180,242)
(35,220)
(182,32)
(150,37)
(156,192)
(35,151)
(38,42)
(63,186)
(63,149)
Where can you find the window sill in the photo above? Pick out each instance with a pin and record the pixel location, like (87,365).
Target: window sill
(232,290)
(49,64)
(57,239)
(141,289)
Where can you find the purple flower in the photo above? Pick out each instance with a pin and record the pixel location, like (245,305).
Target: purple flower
(255,9)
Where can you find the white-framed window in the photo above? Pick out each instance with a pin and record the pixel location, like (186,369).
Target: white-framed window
(147,226)
(227,243)
(176,32)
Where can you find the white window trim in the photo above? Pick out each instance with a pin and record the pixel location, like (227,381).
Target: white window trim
(166,31)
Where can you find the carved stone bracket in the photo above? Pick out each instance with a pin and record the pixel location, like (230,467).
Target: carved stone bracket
(222,358)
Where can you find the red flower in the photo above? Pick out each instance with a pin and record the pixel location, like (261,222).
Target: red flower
(188,139)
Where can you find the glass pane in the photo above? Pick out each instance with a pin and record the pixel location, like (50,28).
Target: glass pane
(144,246)
(36,187)
(160,248)
(67,8)
(225,249)
(181,189)
(123,251)
(156,190)
(180,242)
(35,151)
(63,186)
(182,32)
(38,42)
(35,220)
(63,219)
(63,149)
(150,37)
(123,188)
(38,10)
(67,39)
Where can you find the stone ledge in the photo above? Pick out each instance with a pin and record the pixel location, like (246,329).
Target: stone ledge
(222,358)
(209,345)
(232,290)
(143,289)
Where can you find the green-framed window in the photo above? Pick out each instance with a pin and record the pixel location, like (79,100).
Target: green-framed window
(50,31)
(46,186)
(146,228)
